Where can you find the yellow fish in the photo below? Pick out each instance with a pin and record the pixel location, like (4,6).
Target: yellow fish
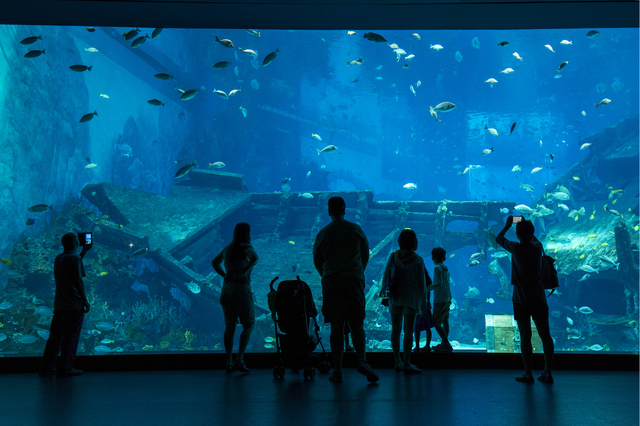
(614,201)
(1,325)
(293,243)
(597,247)
(635,228)
(6,261)
(571,249)
(604,244)
(592,235)
(452,254)
(102,95)
(576,218)
(121,226)
(102,274)
(582,256)
(591,217)
(576,178)
(613,232)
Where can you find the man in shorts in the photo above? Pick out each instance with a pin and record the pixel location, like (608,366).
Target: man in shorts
(340,255)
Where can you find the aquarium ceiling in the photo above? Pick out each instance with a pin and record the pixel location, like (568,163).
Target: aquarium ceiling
(309,14)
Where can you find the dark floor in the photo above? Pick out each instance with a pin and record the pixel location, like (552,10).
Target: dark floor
(440,397)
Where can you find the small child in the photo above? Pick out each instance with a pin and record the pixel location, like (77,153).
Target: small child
(424,321)
(441,298)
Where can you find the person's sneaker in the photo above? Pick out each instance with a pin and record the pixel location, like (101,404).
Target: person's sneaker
(336,377)
(69,372)
(364,368)
(525,379)
(412,369)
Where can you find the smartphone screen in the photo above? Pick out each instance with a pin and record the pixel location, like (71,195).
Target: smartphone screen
(517,219)
(87,240)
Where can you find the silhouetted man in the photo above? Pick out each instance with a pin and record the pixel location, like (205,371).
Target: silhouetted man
(69,306)
(340,255)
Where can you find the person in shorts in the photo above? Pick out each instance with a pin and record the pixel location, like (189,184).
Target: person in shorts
(340,255)
(441,298)
(529,300)
(236,296)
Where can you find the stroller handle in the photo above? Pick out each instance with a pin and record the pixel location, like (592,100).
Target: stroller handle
(273,281)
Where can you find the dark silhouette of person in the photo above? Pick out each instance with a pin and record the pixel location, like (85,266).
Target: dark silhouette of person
(69,306)
(236,297)
(409,299)
(340,255)
(529,300)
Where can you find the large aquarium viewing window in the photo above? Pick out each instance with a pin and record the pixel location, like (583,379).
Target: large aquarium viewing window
(158,141)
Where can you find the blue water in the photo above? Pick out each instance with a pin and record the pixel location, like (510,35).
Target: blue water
(376,113)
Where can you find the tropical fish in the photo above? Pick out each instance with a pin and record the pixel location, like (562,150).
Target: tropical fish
(476,255)
(306,195)
(475,43)
(566,42)
(507,71)
(487,151)
(410,186)
(249,51)
(458,56)
(602,102)
(244,111)
(613,212)
(523,208)
(293,243)
(436,47)
(107,341)
(156,32)
(44,334)
(30,222)
(254,32)
(139,41)
(412,90)
(30,40)
(102,95)
(444,107)
(270,57)
(517,56)
(6,261)
(189,94)
(588,268)
(155,102)
(193,287)
(527,187)
(594,348)
(128,35)
(548,46)
(562,65)
(494,132)
(185,169)
(472,263)
(220,93)
(79,68)
(39,208)
(374,37)
(327,149)
(513,126)
(504,210)
(254,83)
(570,321)
(491,81)
(91,49)
(583,310)
(5,305)
(27,339)
(472,292)
(536,170)
(490,301)
(104,326)
(88,117)
(163,76)
(584,278)
(33,53)
(217,164)
(593,34)
(221,65)
(225,42)
(516,169)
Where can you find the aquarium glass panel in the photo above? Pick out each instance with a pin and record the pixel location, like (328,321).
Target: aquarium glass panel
(158,141)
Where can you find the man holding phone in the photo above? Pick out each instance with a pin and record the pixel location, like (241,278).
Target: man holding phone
(529,301)
(69,306)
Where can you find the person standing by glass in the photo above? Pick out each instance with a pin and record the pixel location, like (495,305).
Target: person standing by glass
(529,300)
(409,298)
(236,297)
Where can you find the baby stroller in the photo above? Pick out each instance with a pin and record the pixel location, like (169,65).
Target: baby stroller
(294,313)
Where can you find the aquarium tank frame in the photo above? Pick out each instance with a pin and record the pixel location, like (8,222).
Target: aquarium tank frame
(310,15)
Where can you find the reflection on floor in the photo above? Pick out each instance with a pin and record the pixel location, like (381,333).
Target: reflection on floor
(445,397)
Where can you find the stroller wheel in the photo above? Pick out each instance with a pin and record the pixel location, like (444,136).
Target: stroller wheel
(308,373)
(278,372)
(324,367)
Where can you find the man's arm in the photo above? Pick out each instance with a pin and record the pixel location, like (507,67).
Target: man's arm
(500,239)
(364,252)
(80,283)
(317,257)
